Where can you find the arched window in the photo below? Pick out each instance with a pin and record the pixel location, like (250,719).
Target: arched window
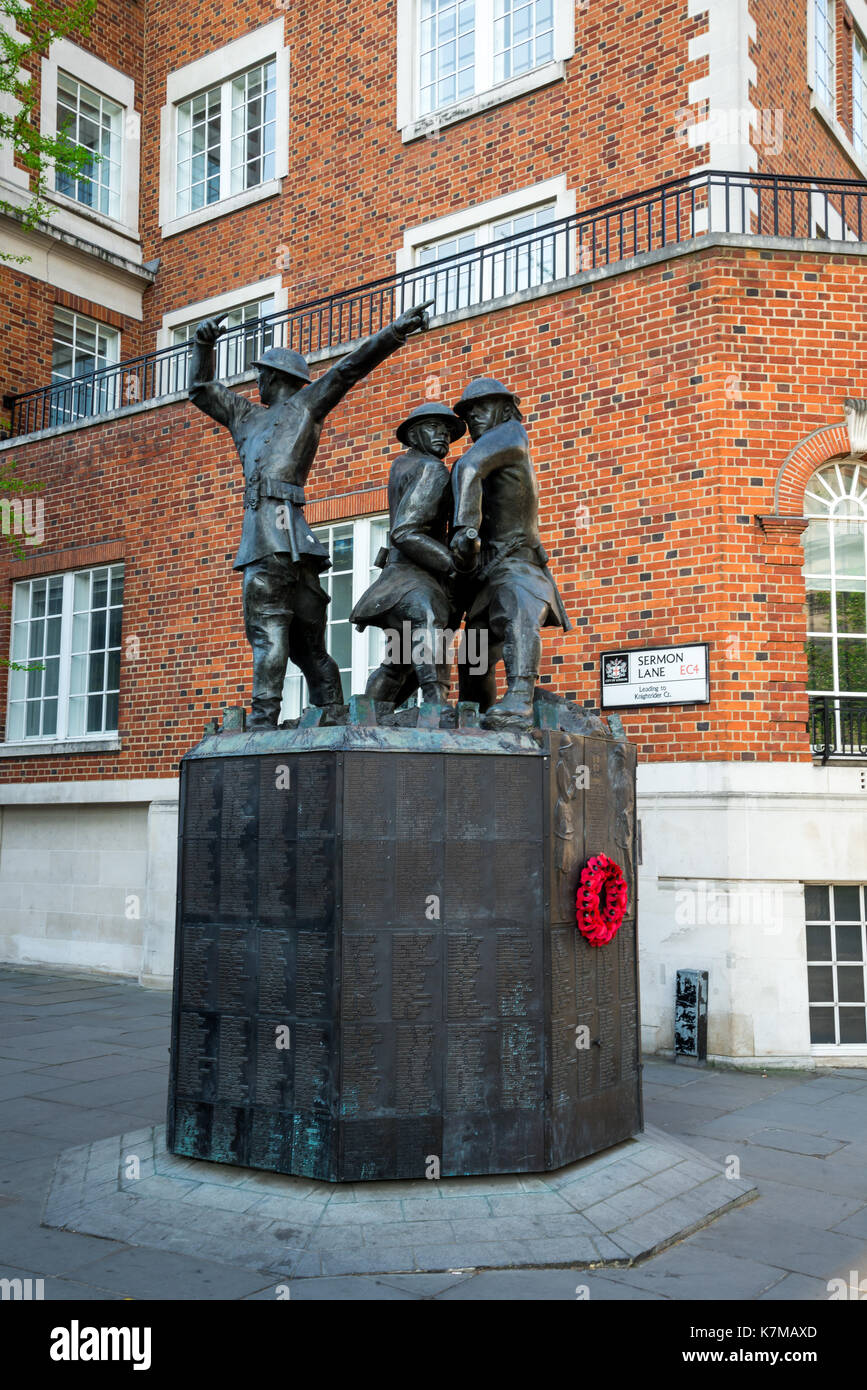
(835,569)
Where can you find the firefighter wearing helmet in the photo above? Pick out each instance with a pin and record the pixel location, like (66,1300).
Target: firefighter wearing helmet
(285,605)
(495,541)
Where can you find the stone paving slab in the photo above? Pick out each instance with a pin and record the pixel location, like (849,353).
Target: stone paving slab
(610,1210)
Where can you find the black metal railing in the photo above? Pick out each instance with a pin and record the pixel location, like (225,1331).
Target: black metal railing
(838,726)
(780,205)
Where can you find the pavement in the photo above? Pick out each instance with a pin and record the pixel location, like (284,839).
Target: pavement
(84,1061)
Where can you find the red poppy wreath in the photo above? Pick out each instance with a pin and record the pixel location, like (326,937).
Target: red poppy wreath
(600,904)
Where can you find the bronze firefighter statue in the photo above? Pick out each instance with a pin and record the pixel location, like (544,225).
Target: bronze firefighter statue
(284,604)
(495,541)
(412,600)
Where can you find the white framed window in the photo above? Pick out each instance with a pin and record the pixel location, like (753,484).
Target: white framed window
(95,104)
(515,252)
(859,95)
(94,123)
(353,546)
(80,347)
(224,137)
(822,36)
(456,57)
(836,966)
(66,632)
(238,349)
(835,574)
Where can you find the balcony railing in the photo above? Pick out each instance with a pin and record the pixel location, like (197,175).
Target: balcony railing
(779,205)
(838,726)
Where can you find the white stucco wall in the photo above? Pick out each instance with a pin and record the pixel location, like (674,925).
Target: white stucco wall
(727,848)
(87,876)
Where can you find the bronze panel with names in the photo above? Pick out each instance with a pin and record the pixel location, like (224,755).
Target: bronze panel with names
(377,964)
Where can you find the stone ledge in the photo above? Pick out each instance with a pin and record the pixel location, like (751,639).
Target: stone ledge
(649,1191)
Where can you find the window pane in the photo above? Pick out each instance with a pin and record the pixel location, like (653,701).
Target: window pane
(49,718)
(850,608)
(817,548)
(15,724)
(820,981)
(341,596)
(819,943)
(818,610)
(51,678)
(848,548)
(341,644)
(81,632)
(850,984)
(99,591)
(849,946)
(820,664)
(852,664)
(822,1026)
(342,554)
(853,1026)
(77,675)
(98,629)
(847,903)
(55,595)
(76,718)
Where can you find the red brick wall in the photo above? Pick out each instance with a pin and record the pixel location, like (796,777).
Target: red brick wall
(660,405)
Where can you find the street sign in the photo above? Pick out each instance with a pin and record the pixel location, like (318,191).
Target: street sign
(655,676)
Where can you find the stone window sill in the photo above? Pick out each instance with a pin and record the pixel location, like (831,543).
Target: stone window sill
(98,219)
(222,208)
(494,96)
(34,748)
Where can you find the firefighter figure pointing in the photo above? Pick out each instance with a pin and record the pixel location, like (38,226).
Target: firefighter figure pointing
(284,604)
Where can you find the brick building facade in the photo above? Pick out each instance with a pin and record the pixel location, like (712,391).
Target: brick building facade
(682,342)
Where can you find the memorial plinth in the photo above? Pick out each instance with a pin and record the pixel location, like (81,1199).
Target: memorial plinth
(378,972)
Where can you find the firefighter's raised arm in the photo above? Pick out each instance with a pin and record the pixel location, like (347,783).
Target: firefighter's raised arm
(209,395)
(330,389)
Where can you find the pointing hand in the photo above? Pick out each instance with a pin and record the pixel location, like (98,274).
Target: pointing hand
(414,320)
(209,330)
